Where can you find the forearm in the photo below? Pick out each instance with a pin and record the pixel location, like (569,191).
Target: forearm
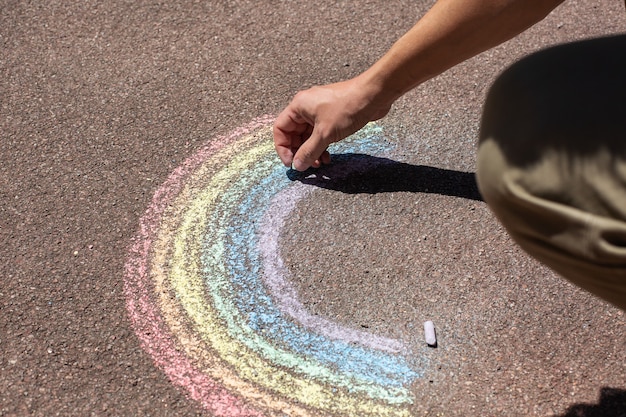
(451,32)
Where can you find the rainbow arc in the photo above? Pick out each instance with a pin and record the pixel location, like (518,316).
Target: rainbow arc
(212,303)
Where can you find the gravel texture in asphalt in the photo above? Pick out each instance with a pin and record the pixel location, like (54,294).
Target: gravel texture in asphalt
(100,102)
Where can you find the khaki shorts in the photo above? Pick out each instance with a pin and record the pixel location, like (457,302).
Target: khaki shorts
(552,160)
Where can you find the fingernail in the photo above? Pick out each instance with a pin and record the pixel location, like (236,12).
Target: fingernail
(293,165)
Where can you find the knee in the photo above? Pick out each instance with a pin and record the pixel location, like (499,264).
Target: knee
(552,130)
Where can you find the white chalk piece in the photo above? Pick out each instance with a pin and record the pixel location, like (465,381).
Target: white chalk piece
(429,334)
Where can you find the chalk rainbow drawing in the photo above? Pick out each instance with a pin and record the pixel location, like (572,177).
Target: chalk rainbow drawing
(211,301)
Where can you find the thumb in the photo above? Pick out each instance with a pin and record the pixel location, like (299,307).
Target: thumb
(309,152)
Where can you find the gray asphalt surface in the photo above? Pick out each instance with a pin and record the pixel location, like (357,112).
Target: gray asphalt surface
(101,101)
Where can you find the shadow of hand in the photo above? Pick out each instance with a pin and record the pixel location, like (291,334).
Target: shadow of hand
(358,173)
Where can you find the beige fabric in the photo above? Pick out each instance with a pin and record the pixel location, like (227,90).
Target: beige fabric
(586,248)
(552,165)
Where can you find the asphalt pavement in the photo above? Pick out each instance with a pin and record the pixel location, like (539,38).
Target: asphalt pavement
(158,261)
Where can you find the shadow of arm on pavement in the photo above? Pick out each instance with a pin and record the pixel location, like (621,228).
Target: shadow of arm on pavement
(365,174)
(612,403)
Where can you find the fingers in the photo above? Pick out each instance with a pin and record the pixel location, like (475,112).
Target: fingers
(312,153)
(303,131)
(296,140)
(289,131)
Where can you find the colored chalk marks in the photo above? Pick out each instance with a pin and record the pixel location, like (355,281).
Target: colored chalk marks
(211,301)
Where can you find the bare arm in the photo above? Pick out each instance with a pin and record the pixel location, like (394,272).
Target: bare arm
(451,32)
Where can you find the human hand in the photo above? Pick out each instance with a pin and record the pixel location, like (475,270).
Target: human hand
(319,116)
